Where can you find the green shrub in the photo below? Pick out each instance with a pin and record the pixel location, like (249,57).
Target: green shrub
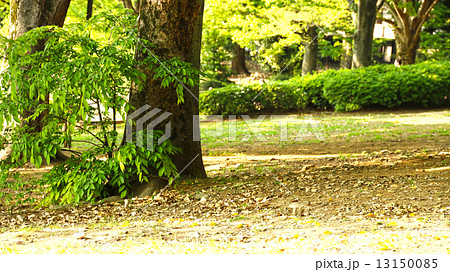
(385,86)
(235,99)
(86,177)
(311,89)
(297,93)
(382,86)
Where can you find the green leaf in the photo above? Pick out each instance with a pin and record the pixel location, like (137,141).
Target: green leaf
(123,194)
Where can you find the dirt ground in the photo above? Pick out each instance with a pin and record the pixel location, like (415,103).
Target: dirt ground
(348,197)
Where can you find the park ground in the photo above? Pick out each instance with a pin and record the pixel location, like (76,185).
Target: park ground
(367,182)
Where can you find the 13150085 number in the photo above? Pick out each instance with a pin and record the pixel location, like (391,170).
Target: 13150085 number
(407,263)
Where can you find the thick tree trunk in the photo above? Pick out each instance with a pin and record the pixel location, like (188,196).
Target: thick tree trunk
(309,63)
(406,49)
(365,24)
(28,14)
(238,62)
(174,27)
(24,16)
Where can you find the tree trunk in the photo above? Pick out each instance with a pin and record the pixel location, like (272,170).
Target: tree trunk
(309,63)
(238,62)
(365,24)
(407,22)
(346,60)
(28,14)
(89,8)
(406,49)
(24,16)
(174,27)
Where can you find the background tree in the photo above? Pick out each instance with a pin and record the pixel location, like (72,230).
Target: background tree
(238,62)
(407,17)
(275,32)
(27,15)
(174,27)
(309,63)
(363,39)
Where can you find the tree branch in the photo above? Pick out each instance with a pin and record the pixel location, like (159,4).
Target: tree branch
(397,18)
(80,127)
(392,23)
(421,18)
(129,5)
(72,151)
(339,33)
(380,5)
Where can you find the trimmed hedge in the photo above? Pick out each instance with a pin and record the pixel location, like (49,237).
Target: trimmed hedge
(385,86)
(382,86)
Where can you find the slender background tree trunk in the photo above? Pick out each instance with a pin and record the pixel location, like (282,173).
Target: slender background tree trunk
(365,24)
(309,63)
(174,27)
(89,9)
(346,60)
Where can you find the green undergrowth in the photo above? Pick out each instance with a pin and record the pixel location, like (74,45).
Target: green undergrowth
(423,85)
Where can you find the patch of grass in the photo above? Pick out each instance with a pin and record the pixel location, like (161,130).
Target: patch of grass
(308,129)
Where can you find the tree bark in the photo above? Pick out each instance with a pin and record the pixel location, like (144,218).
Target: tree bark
(174,27)
(406,48)
(26,15)
(346,59)
(238,62)
(309,63)
(362,42)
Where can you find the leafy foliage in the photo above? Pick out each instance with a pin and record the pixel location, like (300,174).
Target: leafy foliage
(385,86)
(422,85)
(436,30)
(274,41)
(86,177)
(293,94)
(72,81)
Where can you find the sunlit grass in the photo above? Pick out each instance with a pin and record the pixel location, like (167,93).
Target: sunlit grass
(325,127)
